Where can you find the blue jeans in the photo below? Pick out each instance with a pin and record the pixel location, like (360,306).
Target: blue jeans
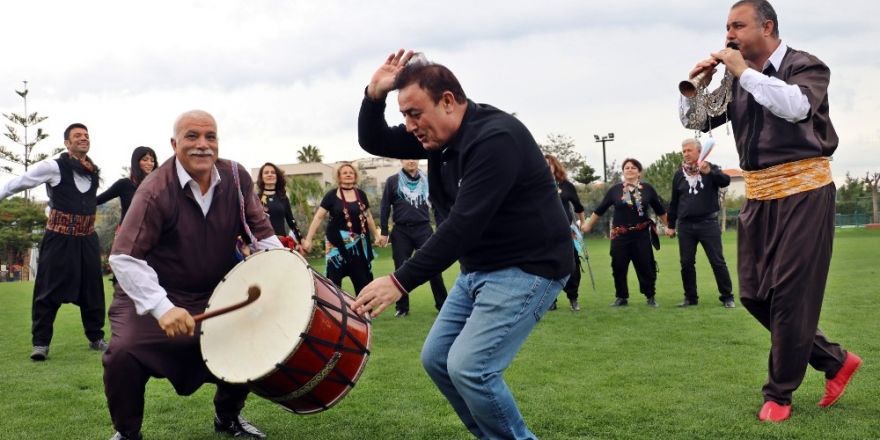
(482,325)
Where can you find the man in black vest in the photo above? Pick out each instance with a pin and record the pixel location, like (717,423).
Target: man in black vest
(694,203)
(406,193)
(69,265)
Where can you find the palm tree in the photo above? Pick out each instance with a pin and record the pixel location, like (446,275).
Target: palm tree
(309,154)
(304,192)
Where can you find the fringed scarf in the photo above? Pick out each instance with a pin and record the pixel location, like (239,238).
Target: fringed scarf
(83,165)
(632,196)
(413,190)
(693,177)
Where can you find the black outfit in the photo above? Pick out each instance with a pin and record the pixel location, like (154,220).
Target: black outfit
(784,245)
(489,183)
(280,215)
(568,196)
(412,228)
(634,245)
(353,263)
(69,266)
(123,188)
(697,215)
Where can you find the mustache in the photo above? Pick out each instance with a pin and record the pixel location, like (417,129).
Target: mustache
(200,151)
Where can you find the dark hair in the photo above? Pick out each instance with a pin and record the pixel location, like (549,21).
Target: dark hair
(435,79)
(136,174)
(71,127)
(636,163)
(280,184)
(558,170)
(763,11)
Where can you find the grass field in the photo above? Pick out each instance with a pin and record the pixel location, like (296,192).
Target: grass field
(602,373)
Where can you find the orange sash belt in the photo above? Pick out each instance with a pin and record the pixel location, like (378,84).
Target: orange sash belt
(787,179)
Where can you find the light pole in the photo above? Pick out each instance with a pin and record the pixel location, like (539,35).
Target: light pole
(603,139)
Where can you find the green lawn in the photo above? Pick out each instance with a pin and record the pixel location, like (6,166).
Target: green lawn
(603,373)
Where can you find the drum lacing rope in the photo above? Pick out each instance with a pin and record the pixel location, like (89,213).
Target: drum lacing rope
(304,390)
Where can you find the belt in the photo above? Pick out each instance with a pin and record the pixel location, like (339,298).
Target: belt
(70,224)
(788,179)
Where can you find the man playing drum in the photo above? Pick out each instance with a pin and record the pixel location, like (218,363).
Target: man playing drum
(174,246)
(503,222)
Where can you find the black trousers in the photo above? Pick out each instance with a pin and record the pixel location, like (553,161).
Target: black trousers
(634,246)
(707,233)
(784,254)
(69,271)
(140,350)
(406,239)
(574,281)
(357,268)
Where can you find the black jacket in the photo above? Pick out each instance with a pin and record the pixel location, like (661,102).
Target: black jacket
(494,190)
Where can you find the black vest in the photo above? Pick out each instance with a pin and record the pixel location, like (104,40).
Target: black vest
(65,196)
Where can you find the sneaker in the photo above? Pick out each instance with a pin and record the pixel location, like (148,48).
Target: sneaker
(619,302)
(729,304)
(40,352)
(652,302)
(401,313)
(575,306)
(552,306)
(99,345)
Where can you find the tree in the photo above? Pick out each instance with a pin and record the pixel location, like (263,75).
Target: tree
(590,196)
(304,192)
(872,182)
(586,175)
(309,154)
(21,227)
(25,121)
(659,174)
(562,146)
(852,196)
(108,216)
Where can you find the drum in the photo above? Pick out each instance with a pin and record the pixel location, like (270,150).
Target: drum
(300,344)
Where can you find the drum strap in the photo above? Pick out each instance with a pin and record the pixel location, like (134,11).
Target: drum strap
(244,223)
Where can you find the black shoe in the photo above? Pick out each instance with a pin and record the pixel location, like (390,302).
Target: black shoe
(401,313)
(575,306)
(119,436)
(652,302)
(687,303)
(40,352)
(99,345)
(729,304)
(619,302)
(552,306)
(237,427)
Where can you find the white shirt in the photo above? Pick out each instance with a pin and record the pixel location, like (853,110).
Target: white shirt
(141,282)
(784,100)
(46,171)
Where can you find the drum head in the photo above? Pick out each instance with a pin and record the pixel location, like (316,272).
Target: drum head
(245,344)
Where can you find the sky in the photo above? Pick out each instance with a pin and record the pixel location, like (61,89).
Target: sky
(278,75)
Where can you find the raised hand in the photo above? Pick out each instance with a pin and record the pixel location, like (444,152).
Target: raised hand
(706,68)
(732,59)
(382,81)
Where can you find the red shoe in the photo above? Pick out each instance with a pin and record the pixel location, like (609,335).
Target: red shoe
(835,387)
(774,412)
